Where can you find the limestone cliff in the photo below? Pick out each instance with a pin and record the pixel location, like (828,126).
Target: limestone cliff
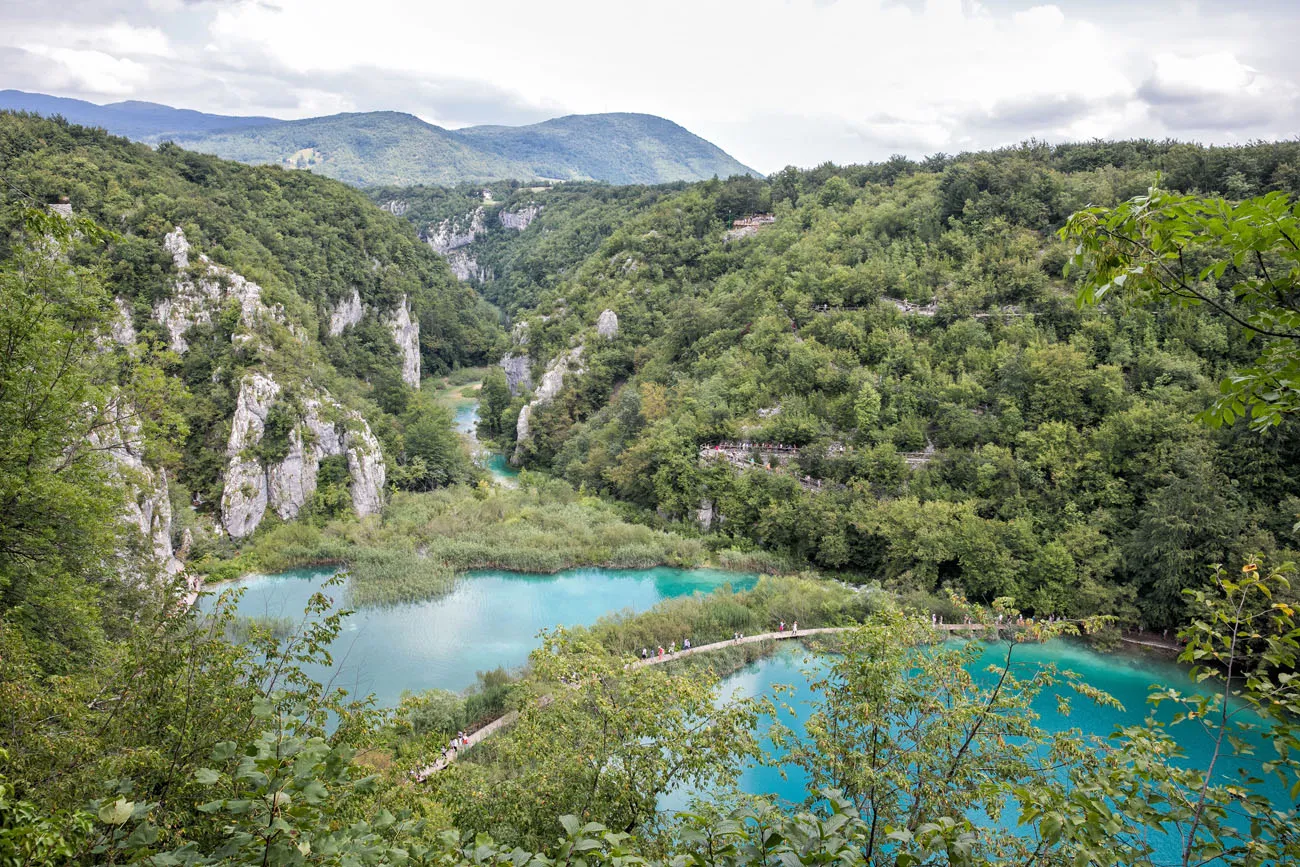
(449,238)
(244,496)
(552,381)
(520,219)
(148,507)
(456,232)
(346,314)
(406,334)
(321,429)
(519,377)
(607,324)
(200,291)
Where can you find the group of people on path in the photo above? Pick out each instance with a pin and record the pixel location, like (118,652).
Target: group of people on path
(660,652)
(460,740)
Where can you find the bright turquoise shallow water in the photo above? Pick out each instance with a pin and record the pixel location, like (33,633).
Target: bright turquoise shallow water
(491,619)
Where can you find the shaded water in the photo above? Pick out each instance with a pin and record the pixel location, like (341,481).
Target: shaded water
(490,619)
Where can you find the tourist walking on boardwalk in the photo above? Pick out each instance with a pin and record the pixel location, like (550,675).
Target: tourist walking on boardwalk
(672,648)
(795,626)
(686,644)
(781,628)
(645,653)
(660,653)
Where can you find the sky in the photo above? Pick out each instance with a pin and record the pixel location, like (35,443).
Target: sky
(773,82)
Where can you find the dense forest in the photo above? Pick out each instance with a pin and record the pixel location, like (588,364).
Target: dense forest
(939,421)
(910,309)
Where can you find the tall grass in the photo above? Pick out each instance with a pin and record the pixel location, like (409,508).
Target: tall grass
(419,544)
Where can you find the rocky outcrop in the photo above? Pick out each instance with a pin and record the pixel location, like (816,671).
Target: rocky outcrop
(366,466)
(456,232)
(607,324)
(406,334)
(121,330)
(519,376)
(323,429)
(552,381)
(244,497)
(200,292)
(148,505)
(449,238)
(396,207)
(346,314)
(466,267)
(520,219)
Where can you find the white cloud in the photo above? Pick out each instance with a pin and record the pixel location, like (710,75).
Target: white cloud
(772,81)
(83,69)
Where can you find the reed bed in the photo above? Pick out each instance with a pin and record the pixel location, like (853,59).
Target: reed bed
(422,541)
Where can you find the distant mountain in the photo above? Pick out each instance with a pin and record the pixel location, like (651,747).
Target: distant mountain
(138,120)
(619,148)
(391,148)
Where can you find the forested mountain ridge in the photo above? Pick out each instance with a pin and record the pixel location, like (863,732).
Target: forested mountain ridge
(393,148)
(389,147)
(131,118)
(915,308)
(292,319)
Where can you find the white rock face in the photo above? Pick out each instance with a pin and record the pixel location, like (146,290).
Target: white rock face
(176,244)
(396,207)
(518,375)
(346,314)
(288,485)
(244,497)
(561,366)
(148,503)
(291,483)
(122,331)
(466,267)
(366,466)
(607,324)
(406,334)
(456,232)
(197,297)
(520,219)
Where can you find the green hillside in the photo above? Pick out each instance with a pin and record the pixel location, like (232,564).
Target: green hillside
(960,421)
(399,149)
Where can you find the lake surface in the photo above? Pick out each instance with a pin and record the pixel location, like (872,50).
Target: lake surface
(490,619)
(1125,676)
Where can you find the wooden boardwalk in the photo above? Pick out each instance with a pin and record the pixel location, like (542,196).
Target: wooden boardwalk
(508,719)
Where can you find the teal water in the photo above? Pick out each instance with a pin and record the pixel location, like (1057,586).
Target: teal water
(466,417)
(1126,677)
(466,421)
(490,619)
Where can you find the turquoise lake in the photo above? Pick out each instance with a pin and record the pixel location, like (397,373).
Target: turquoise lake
(1127,677)
(490,619)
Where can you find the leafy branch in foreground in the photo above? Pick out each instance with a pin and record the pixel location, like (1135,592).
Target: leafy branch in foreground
(1239,259)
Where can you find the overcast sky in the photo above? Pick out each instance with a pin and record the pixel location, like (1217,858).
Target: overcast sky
(773,82)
